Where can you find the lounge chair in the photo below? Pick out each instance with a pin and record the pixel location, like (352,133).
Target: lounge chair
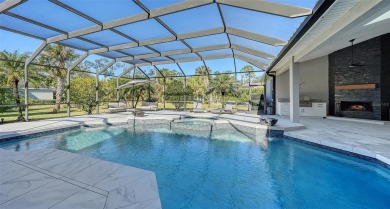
(229,108)
(148,106)
(198,107)
(114,107)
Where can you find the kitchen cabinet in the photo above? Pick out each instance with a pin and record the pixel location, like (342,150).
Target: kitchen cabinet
(318,109)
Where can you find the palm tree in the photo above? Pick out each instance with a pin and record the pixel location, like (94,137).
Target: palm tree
(13,69)
(204,71)
(60,57)
(223,84)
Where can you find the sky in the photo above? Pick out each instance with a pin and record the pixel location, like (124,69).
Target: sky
(183,22)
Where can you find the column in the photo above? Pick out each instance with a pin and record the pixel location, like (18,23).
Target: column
(97,93)
(294,90)
(185,94)
(117,90)
(68,92)
(26,91)
(164,92)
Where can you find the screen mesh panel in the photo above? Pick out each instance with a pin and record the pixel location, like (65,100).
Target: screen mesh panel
(105,11)
(190,21)
(145,30)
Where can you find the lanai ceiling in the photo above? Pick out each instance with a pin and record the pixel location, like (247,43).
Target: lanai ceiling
(159,32)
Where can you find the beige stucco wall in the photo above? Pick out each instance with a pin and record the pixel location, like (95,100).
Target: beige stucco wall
(314,75)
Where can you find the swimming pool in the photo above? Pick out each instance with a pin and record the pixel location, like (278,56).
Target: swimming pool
(229,170)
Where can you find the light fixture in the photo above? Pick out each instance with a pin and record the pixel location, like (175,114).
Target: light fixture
(354,64)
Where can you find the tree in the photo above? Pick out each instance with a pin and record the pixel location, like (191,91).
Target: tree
(5,100)
(99,64)
(59,57)
(223,84)
(175,90)
(249,74)
(204,80)
(83,93)
(13,69)
(159,84)
(141,91)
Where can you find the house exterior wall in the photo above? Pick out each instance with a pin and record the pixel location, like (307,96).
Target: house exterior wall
(282,86)
(41,94)
(313,77)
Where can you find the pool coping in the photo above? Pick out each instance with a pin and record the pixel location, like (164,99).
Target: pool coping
(38,132)
(363,154)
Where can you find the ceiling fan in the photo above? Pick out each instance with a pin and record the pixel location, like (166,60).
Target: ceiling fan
(354,64)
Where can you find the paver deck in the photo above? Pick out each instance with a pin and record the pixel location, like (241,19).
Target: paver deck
(51,178)
(367,139)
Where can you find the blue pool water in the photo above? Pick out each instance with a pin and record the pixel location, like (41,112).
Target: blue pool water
(229,170)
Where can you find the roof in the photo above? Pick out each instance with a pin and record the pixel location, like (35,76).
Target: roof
(151,34)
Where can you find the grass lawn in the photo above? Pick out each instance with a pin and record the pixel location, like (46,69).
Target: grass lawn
(40,112)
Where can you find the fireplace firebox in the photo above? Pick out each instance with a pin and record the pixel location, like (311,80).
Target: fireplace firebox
(356,106)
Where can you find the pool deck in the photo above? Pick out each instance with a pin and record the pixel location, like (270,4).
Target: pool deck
(49,177)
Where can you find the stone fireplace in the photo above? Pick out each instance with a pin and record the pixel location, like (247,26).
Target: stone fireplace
(361,91)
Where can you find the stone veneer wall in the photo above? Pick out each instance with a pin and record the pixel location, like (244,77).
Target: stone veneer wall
(373,53)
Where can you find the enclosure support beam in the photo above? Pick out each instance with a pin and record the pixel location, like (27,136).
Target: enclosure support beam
(28,61)
(158,71)
(163,85)
(74,65)
(7,5)
(185,85)
(294,90)
(185,94)
(250,94)
(269,7)
(235,68)
(132,90)
(164,92)
(143,72)
(117,90)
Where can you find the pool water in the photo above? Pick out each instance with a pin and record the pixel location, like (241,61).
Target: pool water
(229,170)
